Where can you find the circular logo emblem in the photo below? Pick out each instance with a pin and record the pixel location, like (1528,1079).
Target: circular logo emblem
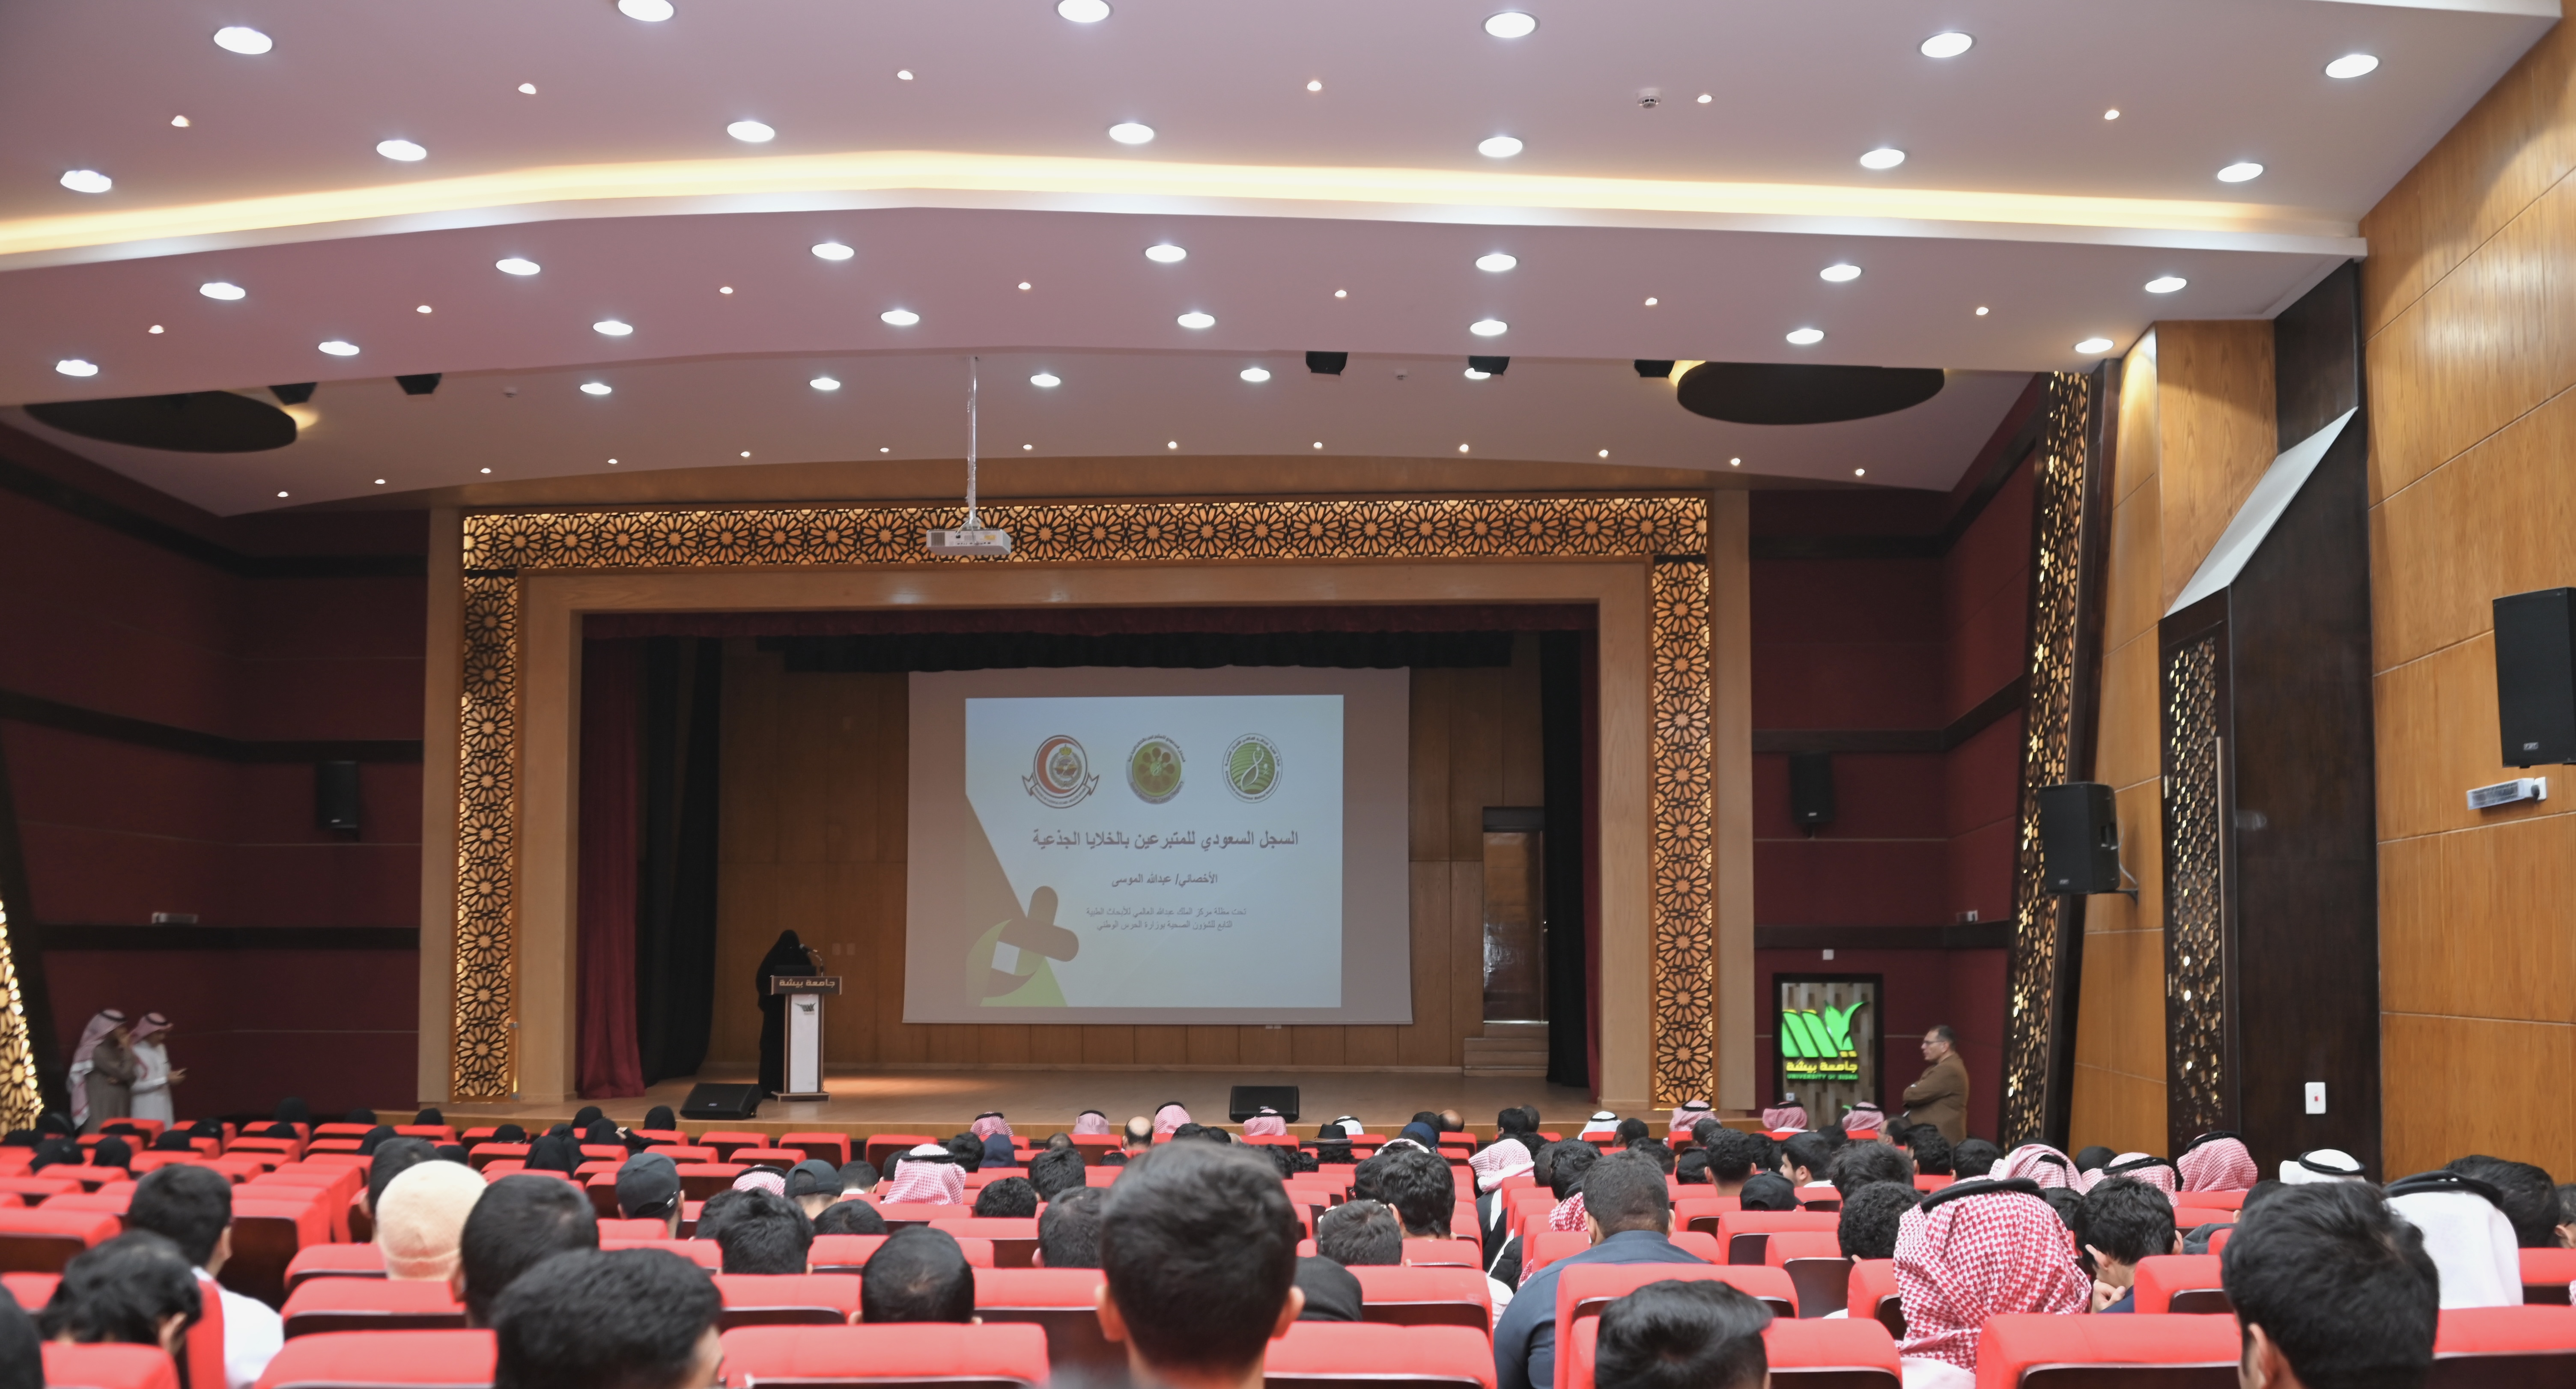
(1252,767)
(1060,775)
(1154,770)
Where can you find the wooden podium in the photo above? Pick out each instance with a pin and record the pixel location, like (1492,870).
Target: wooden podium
(805,994)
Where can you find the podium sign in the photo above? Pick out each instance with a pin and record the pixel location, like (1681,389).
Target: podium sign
(805,994)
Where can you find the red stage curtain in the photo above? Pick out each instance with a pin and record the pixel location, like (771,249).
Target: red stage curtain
(607,1064)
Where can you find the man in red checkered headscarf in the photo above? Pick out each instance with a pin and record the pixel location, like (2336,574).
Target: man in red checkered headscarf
(1971,1252)
(2217,1161)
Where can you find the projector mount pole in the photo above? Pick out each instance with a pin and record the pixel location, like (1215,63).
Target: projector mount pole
(970,539)
(973,522)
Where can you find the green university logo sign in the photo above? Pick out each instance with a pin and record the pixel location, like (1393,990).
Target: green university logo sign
(1816,1043)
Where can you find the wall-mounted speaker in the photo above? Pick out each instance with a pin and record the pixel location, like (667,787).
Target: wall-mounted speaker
(2079,838)
(1811,788)
(335,795)
(2535,650)
(1327,363)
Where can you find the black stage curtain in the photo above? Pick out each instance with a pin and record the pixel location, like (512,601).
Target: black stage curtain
(1184,650)
(1092,622)
(1565,755)
(675,918)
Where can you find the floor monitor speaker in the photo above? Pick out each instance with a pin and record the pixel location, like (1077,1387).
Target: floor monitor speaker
(1248,1100)
(721,1102)
(2079,838)
(2535,650)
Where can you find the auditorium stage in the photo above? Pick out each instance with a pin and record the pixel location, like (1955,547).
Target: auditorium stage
(1039,1101)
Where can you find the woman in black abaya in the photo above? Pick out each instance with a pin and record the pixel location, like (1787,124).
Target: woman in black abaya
(788,956)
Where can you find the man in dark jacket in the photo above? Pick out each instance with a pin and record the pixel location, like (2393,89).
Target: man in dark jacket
(1940,1098)
(1628,1213)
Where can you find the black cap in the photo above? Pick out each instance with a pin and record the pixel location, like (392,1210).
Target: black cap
(647,1181)
(813,1177)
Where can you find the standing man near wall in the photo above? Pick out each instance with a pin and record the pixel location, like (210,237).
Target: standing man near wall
(1940,1098)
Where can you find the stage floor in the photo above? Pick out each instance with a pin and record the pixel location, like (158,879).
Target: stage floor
(1040,1101)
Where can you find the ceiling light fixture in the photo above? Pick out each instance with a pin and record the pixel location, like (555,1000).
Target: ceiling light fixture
(179,121)
(1046,380)
(1497,262)
(1132,133)
(1860,472)
(281,494)
(903,74)
(1806,337)
(155,328)
(824,383)
(1651,301)
(1255,375)
(337,348)
(1024,284)
(1488,327)
(422,309)
(1173,444)
(1735,462)
(527,89)
(244,40)
(899,318)
(1166,254)
(1705,98)
(1319,443)
(594,388)
(1498,147)
(1314,86)
(1083,11)
(751,132)
(381,482)
(2111,115)
(1195,319)
(649,11)
(1948,45)
(1475,375)
(724,289)
(87,181)
(1341,294)
(611,327)
(2093,346)
(1462,448)
(832,250)
(405,151)
(1841,272)
(487,470)
(1605,453)
(1028,447)
(1511,24)
(1981,311)
(516,265)
(1884,157)
(2240,172)
(74,366)
(746,453)
(222,289)
(2166,284)
(2352,65)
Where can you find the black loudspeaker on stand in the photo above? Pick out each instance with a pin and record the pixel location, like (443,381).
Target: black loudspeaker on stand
(1248,1100)
(721,1102)
(2079,838)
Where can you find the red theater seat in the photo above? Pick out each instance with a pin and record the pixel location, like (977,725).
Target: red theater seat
(42,1241)
(1835,1354)
(1062,1303)
(884,1357)
(383,1360)
(1547,1246)
(109,1367)
(435,1133)
(614,1155)
(2504,1348)
(1872,1293)
(848,1253)
(700,1180)
(1332,1355)
(2214,1200)
(2045,1352)
(833,1148)
(483,1155)
(331,1145)
(2546,1274)
(29,1190)
(1925,1181)
(1816,1267)
(761,1156)
(2184,1283)
(1746,1235)
(611,1227)
(921,1212)
(705,1253)
(334,1261)
(1100,1176)
(1013,1238)
(98,1201)
(1584,1289)
(885,1145)
(1425,1297)
(1444,1253)
(725,1141)
(1698,1212)
(371,1304)
(267,1235)
(33,1290)
(787,1299)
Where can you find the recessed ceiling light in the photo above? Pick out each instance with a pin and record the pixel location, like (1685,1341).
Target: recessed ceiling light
(751,132)
(2352,65)
(87,181)
(1981,311)
(650,11)
(1860,472)
(1840,272)
(724,289)
(1255,375)
(1605,453)
(1314,86)
(746,453)
(242,39)
(381,482)
(179,121)
(1497,262)
(594,388)
(422,309)
(1132,133)
(1173,444)
(153,329)
(1735,462)
(903,74)
(2166,284)
(1462,448)
(281,494)
(1166,254)
(2240,172)
(1949,45)
(1319,443)
(527,89)
(74,366)
(1083,11)
(1341,294)
(222,289)
(405,151)
(2111,115)
(1028,446)
(1024,284)
(1705,98)
(1806,337)
(1498,147)
(1195,319)
(824,383)
(612,328)
(832,250)
(899,318)
(335,347)
(487,470)
(515,265)
(1475,375)
(2093,346)
(612,462)
(1046,380)
(883,450)
(1511,24)
(1884,157)
(1488,327)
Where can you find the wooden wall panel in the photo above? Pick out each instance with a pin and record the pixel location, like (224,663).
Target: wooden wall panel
(2216,434)
(2472,1085)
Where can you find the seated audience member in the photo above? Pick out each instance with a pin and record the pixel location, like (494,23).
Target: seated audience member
(2066,1201)
(994,1132)
(2137,1167)
(521,1222)
(2523,1193)
(421,1218)
(918,1275)
(648,1188)
(1140,1137)
(622,1319)
(1509,1155)
(22,1350)
(1683,1335)
(1687,1117)
(763,1233)
(1169,1117)
(1565,1178)
(192,1207)
(508,1133)
(1861,1164)
(1056,1141)
(2093,1159)
(134,1290)
(1932,1152)
(1869,1219)
(2331,1289)
(1360,1233)
(2197,1239)
(1969,1253)
(1265,1123)
(1655,1151)
(112,1152)
(851,1216)
(1011,1198)
(2466,1234)
(2567,1216)
(1629,1131)
(375,1138)
(965,1150)
(1451,1121)
(927,1175)
(1805,1159)
(764,1179)
(1864,1120)
(1767,1192)
(554,1154)
(1787,1114)
(1350,1126)
(1733,1156)
(1282,1159)
(1601,1129)
(2120,1221)
(1090,1123)
(2320,1165)
(1973,1158)
(2036,1163)
(1691,1168)
(56,1152)
(1069,1229)
(1199,1248)
(813,1185)
(1628,1213)
(1332,1293)
(858,1175)
(392,1158)
(1421,1190)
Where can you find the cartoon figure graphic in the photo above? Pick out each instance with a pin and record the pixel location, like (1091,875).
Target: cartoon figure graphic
(1008,965)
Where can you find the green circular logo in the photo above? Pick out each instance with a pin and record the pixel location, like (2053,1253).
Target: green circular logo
(1154,769)
(1252,767)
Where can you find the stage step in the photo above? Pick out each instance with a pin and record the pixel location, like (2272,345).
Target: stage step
(1508,1049)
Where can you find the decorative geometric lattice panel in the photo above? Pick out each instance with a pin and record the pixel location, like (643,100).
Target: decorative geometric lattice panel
(1671,533)
(19,1101)
(2057,522)
(2195,896)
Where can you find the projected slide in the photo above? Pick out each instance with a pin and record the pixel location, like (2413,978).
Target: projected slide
(1131,854)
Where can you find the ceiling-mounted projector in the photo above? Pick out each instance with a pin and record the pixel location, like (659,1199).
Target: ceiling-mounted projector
(973,538)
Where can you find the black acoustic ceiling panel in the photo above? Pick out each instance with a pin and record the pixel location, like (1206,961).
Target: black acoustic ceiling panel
(197,422)
(1778,393)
